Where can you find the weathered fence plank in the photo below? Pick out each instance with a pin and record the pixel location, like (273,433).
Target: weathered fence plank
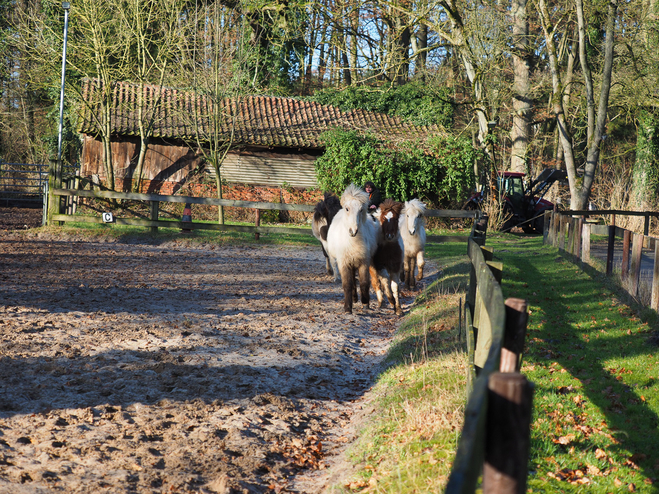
(609,249)
(585,243)
(654,302)
(517,317)
(637,246)
(626,242)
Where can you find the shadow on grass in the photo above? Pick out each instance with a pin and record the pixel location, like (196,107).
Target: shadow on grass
(590,351)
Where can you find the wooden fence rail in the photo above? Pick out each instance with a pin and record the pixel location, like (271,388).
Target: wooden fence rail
(495,435)
(55,213)
(569,232)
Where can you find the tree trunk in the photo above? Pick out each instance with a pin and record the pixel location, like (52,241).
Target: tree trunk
(522,100)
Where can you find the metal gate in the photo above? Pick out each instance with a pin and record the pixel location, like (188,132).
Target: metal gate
(24,182)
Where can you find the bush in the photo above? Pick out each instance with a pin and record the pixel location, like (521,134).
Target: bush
(438,172)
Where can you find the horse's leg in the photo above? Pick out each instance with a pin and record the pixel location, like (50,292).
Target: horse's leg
(335,268)
(420,262)
(411,282)
(364,285)
(386,282)
(348,282)
(355,283)
(395,282)
(328,266)
(405,272)
(375,283)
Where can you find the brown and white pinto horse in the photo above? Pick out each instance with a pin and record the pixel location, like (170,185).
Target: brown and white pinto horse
(388,258)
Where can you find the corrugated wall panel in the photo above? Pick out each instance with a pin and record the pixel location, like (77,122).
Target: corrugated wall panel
(294,170)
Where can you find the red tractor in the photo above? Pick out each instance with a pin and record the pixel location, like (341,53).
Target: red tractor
(523,206)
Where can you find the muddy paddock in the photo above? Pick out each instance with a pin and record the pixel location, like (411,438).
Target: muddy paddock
(177,367)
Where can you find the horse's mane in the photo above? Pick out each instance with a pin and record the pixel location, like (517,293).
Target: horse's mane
(415,204)
(327,207)
(390,206)
(353,192)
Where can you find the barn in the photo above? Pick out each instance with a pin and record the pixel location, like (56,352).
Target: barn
(275,139)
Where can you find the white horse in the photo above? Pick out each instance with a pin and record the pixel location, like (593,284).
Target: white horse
(351,243)
(413,233)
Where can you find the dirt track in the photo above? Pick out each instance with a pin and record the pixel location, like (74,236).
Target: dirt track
(174,368)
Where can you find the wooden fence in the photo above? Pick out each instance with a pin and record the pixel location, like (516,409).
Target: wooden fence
(62,199)
(570,232)
(495,435)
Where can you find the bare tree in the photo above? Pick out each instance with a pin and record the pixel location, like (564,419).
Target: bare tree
(150,29)
(216,82)
(580,190)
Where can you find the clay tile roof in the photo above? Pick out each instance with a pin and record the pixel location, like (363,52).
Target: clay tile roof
(259,120)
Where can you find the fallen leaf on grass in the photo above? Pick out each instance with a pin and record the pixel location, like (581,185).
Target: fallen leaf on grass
(358,484)
(600,454)
(565,440)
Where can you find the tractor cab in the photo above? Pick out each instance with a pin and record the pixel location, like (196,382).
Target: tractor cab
(511,187)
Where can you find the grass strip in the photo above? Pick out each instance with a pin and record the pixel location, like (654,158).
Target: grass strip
(410,440)
(591,355)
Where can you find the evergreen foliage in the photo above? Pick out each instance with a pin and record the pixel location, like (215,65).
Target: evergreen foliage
(440,171)
(646,167)
(416,103)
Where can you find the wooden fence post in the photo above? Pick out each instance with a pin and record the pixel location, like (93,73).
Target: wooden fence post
(609,250)
(153,216)
(578,233)
(637,249)
(517,317)
(654,302)
(509,407)
(562,233)
(585,244)
(626,242)
(555,220)
(257,223)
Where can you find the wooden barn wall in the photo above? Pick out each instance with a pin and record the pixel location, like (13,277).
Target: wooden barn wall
(267,167)
(163,161)
(171,163)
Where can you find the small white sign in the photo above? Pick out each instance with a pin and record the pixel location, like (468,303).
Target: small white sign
(108,218)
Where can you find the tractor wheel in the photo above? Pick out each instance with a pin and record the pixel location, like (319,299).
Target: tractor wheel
(509,219)
(539,222)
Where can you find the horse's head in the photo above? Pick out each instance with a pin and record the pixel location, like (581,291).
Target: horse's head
(354,201)
(389,216)
(414,212)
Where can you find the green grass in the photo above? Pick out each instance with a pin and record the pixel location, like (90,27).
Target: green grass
(588,353)
(596,405)
(129,233)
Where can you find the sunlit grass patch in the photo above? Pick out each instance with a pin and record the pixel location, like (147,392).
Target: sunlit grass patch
(596,398)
